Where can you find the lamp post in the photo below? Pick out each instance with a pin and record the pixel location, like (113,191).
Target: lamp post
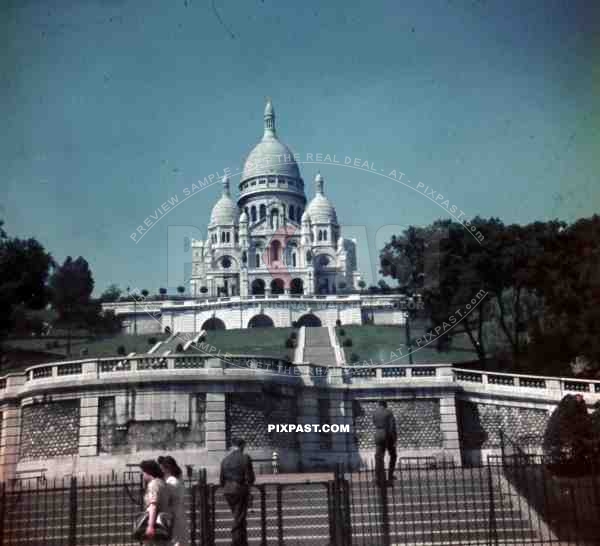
(134,312)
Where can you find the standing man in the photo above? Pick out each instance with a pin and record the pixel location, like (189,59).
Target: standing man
(385,440)
(237,475)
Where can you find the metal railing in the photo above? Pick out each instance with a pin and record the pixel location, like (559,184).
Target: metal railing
(510,500)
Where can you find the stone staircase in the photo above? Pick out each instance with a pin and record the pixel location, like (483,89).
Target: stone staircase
(429,509)
(317,347)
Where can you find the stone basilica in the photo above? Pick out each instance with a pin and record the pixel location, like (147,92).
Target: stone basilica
(271,241)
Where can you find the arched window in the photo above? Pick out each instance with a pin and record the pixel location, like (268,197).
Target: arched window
(253,213)
(263,212)
(299,214)
(222,236)
(320,237)
(257,260)
(228,237)
(324,235)
(274,218)
(293,259)
(244,257)
(308,256)
(237,237)
(291,213)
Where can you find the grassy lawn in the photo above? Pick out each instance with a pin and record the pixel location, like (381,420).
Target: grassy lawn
(266,341)
(378,342)
(106,346)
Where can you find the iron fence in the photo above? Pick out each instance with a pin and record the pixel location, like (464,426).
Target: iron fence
(510,500)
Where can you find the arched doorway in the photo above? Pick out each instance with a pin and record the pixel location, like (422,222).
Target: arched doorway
(261,321)
(309,320)
(277,286)
(297,286)
(258,286)
(213,324)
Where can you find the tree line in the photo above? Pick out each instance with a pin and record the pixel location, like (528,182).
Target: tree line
(31,280)
(542,283)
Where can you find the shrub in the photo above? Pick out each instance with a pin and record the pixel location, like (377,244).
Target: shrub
(347,342)
(152,341)
(295,324)
(566,439)
(293,335)
(342,332)
(290,343)
(179,348)
(338,323)
(121,350)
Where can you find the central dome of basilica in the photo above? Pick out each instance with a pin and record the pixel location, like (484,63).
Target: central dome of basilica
(268,158)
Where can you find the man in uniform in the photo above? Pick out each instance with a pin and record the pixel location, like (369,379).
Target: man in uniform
(385,440)
(237,475)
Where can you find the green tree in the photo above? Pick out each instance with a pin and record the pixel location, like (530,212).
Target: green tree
(145,293)
(71,287)
(362,285)
(181,290)
(111,294)
(24,270)
(162,292)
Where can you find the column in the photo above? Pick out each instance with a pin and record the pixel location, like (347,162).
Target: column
(215,424)
(449,428)
(9,442)
(308,414)
(88,426)
(340,411)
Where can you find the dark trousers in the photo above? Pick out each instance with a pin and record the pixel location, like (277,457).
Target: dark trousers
(381,446)
(238,496)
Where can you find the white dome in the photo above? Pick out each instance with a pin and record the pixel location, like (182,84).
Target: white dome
(269,158)
(321,210)
(225,211)
(243,217)
(305,217)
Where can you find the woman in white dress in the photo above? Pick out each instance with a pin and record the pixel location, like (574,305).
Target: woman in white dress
(173,477)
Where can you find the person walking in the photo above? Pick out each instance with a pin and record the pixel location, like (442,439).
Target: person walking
(236,477)
(173,478)
(156,499)
(385,440)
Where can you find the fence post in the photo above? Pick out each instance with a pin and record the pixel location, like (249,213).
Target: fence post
(203,493)
(263,516)
(493,534)
(2,510)
(385,514)
(279,516)
(73,512)
(193,514)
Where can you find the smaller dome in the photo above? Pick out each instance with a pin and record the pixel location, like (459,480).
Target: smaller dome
(243,217)
(305,217)
(320,209)
(225,211)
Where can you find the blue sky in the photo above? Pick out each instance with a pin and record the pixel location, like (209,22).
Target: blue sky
(112,107)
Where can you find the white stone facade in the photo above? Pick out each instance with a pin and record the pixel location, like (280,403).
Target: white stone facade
(271,241)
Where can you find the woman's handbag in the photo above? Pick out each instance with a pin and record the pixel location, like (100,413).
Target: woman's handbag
(162,526)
